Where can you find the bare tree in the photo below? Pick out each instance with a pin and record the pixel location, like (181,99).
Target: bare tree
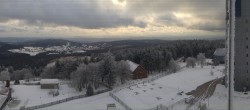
(191,62)
(201,59)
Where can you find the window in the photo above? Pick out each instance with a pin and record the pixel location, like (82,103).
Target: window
(247,47)
(247,63)
(246,55)
(238,8)
(246,20)
(246,38)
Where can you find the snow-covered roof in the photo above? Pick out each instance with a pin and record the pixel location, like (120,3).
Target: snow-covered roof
(132,65)
(220,52)
(49,81)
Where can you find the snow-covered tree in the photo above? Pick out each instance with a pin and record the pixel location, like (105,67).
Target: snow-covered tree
(4,75)
(2,68)
(20,75)
(95,74)
(64,69)
(107,68)
(90,90)
(173,66)
(49,72)
(123,72)
(191,62)
(201,59)
(79,77)
(28,76)
(10,69)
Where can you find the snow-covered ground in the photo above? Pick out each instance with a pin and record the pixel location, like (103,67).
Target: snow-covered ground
(144,96)
(2,97)
(31,95)
(164,90)
(219,101)
(98,102)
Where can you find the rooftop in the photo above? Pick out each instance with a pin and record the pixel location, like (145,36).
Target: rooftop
(220,52)
(49,81)
(132,65)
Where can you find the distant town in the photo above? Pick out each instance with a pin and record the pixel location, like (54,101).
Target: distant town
(64,49)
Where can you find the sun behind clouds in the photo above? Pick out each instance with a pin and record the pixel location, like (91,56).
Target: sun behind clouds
(121,3)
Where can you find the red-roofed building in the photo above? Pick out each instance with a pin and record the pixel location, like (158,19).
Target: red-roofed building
(138,71)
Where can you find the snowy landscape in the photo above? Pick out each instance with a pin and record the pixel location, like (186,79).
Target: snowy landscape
(124,55)
(142,96)
(150,78)
(67,48)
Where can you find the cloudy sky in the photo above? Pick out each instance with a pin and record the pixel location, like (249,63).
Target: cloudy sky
(112,18)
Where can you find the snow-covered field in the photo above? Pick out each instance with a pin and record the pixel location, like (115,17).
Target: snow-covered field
(98,102)
(164,90)
(31,95)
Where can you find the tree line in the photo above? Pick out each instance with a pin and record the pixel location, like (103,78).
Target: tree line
(158,57)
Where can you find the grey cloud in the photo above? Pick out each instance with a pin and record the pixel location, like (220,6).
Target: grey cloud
(203,9)
(170,20)
(80,13)
(89,14)
(209,27)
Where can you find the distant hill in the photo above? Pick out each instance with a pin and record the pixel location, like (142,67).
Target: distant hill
(4,47)
(14,40)
(49,42)
(129,43)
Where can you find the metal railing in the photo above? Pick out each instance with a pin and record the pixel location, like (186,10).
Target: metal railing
(133,83)
(140,81)
(119,101)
